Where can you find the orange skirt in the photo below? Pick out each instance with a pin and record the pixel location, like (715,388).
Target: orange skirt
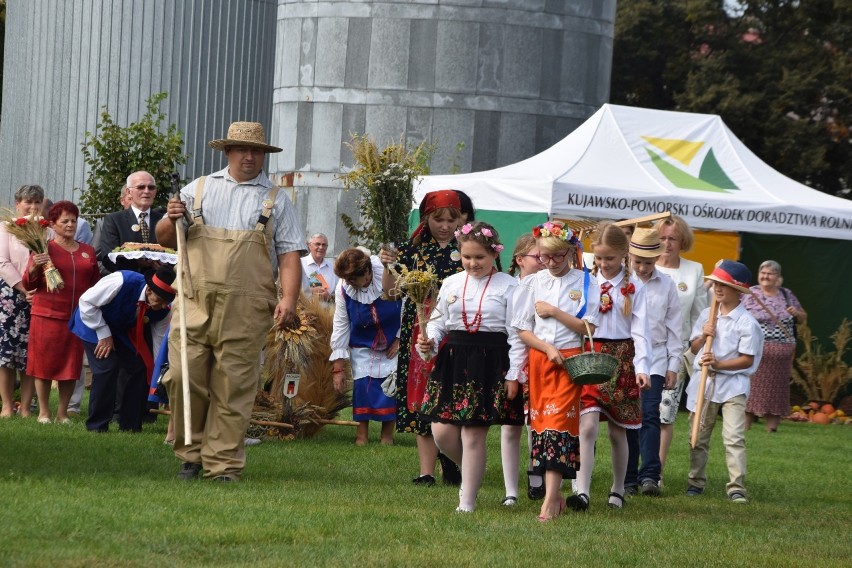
(554,398)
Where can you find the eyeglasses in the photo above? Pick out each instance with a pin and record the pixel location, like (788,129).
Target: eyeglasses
(545,258)
(535,256)
(143,187)
(320,245)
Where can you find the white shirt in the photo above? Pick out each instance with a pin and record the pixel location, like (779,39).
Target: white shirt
(102,294)
(365,362)
(689,281)
(664,323)
(737,333)
(147,219)
(495,296)
(310,268)
(518,350)
(564,292)
(229,204)
(614,325)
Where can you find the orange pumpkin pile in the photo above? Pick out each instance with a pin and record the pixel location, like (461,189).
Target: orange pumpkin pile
(819,414)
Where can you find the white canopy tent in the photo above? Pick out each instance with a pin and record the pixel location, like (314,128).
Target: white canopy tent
(626,162)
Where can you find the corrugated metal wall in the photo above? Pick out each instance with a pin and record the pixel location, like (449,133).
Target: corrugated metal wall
(65,60)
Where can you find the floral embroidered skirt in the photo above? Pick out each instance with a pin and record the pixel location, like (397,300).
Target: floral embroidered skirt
(14,328)
(466,386)
(554,414)
(618,400)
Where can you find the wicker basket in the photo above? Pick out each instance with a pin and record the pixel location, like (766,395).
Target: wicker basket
(590,368)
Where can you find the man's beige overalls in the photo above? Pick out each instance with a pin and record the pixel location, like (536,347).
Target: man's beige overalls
(228,313)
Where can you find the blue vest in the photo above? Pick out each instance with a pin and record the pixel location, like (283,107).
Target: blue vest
(120,313)
(362,325)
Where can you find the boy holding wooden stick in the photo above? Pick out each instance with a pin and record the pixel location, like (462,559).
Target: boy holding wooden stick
(728,341)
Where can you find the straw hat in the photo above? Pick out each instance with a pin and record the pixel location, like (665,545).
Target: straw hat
(646,243)
(733,274)
(244,134)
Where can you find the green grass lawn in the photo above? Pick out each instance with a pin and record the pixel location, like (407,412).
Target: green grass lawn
(73,498)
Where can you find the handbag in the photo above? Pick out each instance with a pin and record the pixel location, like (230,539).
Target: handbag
(791,323)
(389,385)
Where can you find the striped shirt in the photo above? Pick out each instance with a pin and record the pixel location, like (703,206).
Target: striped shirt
(228,204)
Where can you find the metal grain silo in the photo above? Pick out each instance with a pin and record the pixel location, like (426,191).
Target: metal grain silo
(66,60)
(507,78)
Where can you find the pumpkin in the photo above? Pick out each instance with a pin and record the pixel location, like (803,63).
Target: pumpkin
(814,405)
(820,418)
(826,409)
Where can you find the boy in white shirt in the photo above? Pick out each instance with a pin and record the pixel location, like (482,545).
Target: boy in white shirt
(735,354)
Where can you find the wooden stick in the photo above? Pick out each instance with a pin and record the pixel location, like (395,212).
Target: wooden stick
(698,413)
(275,424)
(182,265)
(646,219)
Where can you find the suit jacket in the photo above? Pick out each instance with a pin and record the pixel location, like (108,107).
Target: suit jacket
(114,230)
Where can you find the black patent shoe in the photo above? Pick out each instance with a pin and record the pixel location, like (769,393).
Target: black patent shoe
(425,480)
(535,493)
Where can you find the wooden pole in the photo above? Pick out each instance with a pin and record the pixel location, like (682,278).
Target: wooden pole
(181,301)
(698,413)
(274,424)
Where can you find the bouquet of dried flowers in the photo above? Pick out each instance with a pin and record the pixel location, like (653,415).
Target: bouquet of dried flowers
(32,232)
(419,286)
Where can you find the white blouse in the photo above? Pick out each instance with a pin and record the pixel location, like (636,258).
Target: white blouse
(564,292)
(365,362)
(613,324)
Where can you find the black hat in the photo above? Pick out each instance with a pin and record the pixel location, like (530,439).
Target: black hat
(160,282)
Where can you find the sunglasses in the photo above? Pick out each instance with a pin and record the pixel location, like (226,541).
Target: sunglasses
(144,187)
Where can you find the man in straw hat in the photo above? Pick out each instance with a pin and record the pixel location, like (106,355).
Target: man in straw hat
(734,354)
(243,232)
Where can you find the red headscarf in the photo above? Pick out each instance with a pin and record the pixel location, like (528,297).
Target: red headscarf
(434,200)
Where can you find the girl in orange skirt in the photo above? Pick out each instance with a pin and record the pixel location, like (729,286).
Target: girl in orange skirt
(548,315)
(622,332)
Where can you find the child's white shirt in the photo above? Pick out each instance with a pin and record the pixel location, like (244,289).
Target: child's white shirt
(664,323)
(614,325)
(737,333)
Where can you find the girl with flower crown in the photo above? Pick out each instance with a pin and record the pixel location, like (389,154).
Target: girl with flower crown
(550,313)
(467,390)
(622,332)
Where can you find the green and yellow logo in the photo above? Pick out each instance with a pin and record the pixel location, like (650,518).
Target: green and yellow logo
(711,176)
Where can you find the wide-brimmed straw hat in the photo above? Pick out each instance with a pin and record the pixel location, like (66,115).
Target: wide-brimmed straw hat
(160,282)
(733,274)
(646,243)
(244,134)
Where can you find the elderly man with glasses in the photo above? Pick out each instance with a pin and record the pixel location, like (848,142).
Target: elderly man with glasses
(135,224)
(318,274)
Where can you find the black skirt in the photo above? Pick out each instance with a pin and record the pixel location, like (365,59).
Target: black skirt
(466,385)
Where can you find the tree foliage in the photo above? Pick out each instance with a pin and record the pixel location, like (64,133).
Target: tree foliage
(117,151)
(779,72)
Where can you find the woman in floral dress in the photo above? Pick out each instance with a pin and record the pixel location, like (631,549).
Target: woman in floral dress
(432,244)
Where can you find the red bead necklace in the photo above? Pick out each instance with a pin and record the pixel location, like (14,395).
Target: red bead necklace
(473,326)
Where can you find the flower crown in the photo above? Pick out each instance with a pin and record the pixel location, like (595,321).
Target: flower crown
(484,232)
(556,230)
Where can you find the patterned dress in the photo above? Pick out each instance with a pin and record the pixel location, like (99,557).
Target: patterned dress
(411,382)
(770,384)
(14,309)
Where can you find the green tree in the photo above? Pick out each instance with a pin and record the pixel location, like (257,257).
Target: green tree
(117,151)
(779,72)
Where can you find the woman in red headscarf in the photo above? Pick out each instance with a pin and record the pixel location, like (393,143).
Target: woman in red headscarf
(432,244)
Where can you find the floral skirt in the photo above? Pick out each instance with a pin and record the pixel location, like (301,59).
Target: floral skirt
(618,400)
(466,386)
(14,328)
(554,416)
(770,384)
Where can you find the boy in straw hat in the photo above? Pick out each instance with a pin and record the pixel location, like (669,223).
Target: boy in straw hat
(735,354)
(243,232)
(664,325)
